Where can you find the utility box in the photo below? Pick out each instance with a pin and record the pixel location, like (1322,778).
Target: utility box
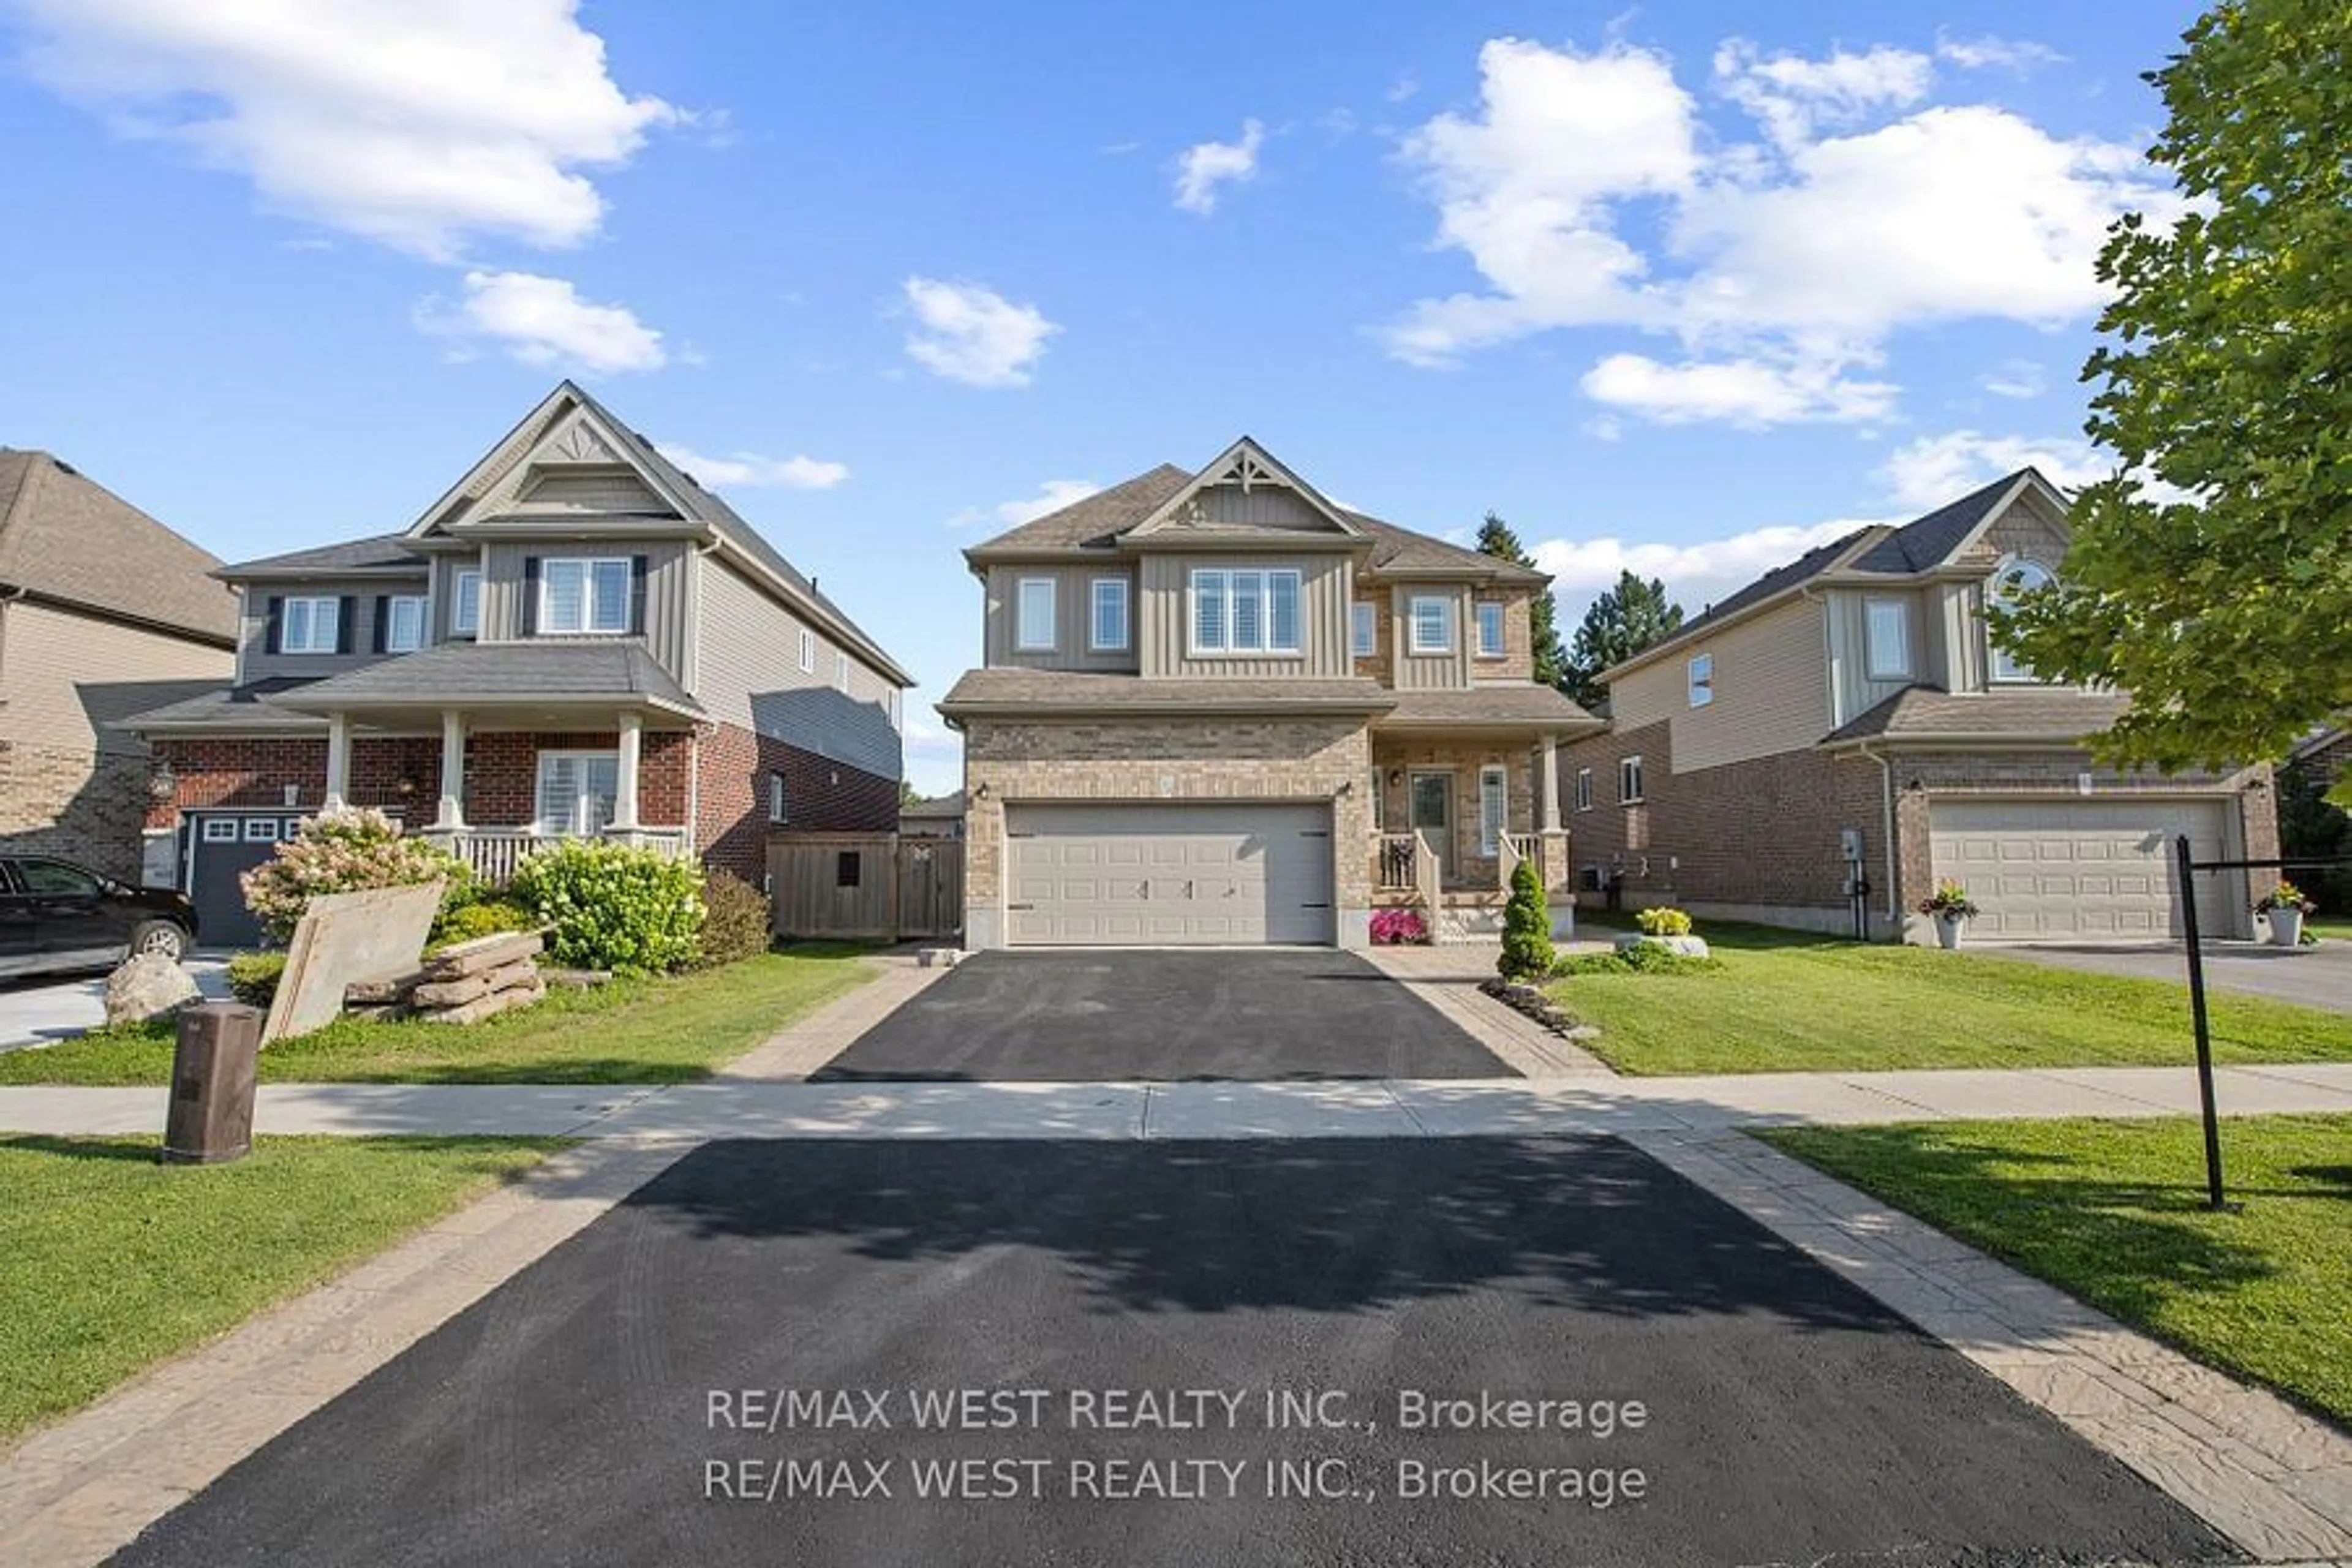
(210,1121)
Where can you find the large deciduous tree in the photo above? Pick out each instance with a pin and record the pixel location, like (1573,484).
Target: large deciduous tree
(1495,539)
(1634,616)
(2220,595)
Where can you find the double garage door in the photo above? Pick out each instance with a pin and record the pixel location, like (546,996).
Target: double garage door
(2094,868)
(1168,875)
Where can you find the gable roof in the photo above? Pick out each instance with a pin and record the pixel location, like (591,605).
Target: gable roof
(1245,464)
(66,537)
(2055,715)
(1099,523)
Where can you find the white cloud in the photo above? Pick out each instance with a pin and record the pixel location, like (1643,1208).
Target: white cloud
(970,333)
(545,321)
(2014,378)
(1208,165)
(2019,55)
(418,125)
(748,470)
(1584,195)
(1934,469)
(1050,496)
(1694,574)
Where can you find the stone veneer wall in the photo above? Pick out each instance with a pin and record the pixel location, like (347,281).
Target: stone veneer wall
(1470,871)
(1142,761)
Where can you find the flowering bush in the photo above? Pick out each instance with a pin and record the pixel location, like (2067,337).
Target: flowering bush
(2286,896)
(613,906)
(1394,928)
(1950,902)
(1663,921)
(347,852)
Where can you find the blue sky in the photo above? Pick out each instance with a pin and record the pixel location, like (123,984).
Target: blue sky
(1680,286)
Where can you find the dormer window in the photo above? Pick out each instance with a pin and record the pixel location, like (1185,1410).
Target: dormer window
(2016,579)
(1888,653)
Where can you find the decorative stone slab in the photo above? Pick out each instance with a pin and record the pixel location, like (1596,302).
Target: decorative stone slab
(1688,946)
(484,953)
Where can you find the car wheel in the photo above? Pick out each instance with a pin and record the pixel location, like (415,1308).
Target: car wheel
(161,938)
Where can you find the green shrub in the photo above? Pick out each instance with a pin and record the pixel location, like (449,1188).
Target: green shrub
(613,906)
(488,918)
(347,852)
(1527,927)
(735,923)
(1663,921)
(1645,958)
(253,977)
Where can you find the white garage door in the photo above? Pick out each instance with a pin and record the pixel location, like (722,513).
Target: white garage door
(1168,875)
(2080,868)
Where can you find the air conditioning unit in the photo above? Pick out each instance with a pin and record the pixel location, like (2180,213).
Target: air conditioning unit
(1595,879)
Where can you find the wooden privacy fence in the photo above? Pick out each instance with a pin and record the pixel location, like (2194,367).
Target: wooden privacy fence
(876,887)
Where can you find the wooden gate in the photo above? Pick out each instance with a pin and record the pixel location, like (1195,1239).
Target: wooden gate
(874,887)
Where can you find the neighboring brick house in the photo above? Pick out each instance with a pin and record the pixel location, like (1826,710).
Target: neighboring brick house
(1823,747)
(103,612)
(576,639)
(1218,709)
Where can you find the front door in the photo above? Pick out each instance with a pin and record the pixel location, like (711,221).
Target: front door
(1433,817)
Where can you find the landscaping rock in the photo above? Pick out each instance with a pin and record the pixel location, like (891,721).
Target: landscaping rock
(148,985)
(1687,946)
(468,987)
(1531,1002)
(490,1006)
(483,952)
(380,993)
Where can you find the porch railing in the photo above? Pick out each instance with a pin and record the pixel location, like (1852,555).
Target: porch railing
(1510,848)
(1393,869)
(495,853)
(1428,873)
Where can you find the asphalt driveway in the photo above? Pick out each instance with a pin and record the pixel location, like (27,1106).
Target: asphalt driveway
(43,1011)
(1164,1017)
(2318,976)
(729,1367)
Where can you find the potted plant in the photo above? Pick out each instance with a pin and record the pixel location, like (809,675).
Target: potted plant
(2284,907)
(1952,910)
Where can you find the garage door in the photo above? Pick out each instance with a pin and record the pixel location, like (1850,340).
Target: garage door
(220,846)
(2080,868)
(1168,876)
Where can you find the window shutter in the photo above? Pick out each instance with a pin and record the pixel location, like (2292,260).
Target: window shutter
(344,612)
(531,595)
(636,596)
(382,623)
(271,635)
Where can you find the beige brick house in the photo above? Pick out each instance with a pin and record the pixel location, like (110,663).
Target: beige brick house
(1216,708)
(1820,748)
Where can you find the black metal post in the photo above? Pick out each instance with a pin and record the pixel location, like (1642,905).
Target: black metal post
(2188,884)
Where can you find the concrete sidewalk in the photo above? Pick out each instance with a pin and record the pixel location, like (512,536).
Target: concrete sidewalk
(1402,1109)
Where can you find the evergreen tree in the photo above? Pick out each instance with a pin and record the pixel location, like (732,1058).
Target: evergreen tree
(1527,927)
(1631,616)
(1495,539)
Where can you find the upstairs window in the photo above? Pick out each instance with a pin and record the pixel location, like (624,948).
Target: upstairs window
(1701,680)
(1110,626)
(1888,654)
(1490,630)
(1584,789)
(1433,624)
(840,671)
(1364,628)
(808,652)
(1629,781)
(2011,583)
(309,626)
(1033,611)
(465,613)
(1244,611)
(584,595)
(403,623)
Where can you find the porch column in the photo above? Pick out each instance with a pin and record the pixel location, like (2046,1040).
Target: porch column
(338,760)
(453,770)
(1548,776)
(625,788)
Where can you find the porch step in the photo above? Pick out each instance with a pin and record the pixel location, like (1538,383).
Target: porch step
(1458,923)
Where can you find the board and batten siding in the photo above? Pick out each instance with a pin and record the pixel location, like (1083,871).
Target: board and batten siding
(1072,618)
(750,676)
(1431,671)
(1260,506)
(255,662)
(1771,691)
(669,594)
(1163,624)
(64,678)
(1853,692)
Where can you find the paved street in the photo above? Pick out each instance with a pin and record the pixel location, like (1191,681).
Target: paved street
(2318,976)
(570,1416)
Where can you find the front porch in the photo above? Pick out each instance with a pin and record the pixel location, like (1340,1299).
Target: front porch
(1455,817)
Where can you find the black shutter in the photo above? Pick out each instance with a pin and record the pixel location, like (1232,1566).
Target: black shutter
(382,623)
(636,596)
(530,595)
(271,635)
(344,615)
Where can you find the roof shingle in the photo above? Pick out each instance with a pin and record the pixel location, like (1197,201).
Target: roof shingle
(2059,715)
(69,539)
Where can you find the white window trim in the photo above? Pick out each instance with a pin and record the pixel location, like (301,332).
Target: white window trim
(220,830)
(1095,601)
(1413,618)
(310,643)
(1364,628)
(808,652)
(392,622)
(1630,767)
(538,786)
(1872,669)
(1584,789)
(1268,648)
(1023,641)
(1490,833)
(459,625)
(777,806)
(840,671)
(1700,683)
(1996,657)
(588,599)
(1502,629)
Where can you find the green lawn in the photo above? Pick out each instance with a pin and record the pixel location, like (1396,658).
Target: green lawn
(2111,1212)
(1786,1000)
(668,1030)
(2329,928)
(115,1262)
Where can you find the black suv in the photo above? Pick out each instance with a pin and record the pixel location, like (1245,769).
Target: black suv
(55,915)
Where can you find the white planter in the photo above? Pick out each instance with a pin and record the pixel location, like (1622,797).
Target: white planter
(2287,927)
(1949,928)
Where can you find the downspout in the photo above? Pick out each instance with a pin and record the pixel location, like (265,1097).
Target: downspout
(1886,798)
